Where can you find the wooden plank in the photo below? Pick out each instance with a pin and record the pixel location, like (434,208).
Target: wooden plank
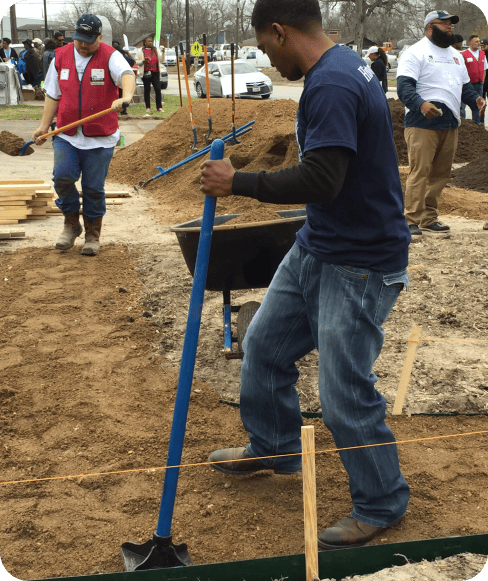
(20,203)
(14,214)
(45,191)
(115,194)
(15,198)
(38,203)
(39,211)
(37,217)
(17,182)
(21,188)
(310,504)
(407,369)
(9,222)
(12,234)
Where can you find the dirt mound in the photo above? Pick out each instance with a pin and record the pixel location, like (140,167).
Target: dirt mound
(473,176)
(270,146)
(12,144)
(457,201)
(472,138)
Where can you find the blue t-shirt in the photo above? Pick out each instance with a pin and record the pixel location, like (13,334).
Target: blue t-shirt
(343,104)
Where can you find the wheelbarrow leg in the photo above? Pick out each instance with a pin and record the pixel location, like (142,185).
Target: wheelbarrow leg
(227,309)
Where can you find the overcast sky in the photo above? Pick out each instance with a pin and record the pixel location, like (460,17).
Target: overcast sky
(31,8)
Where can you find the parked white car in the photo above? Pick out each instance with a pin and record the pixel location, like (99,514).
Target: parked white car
(249,82)
(222,52)
(257,58)
(170,56)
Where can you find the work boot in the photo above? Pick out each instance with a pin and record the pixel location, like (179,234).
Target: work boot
(72,229)
(349,532)
(92,236)
(238,461)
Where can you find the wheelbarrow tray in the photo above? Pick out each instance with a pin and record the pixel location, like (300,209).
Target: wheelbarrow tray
(242,256)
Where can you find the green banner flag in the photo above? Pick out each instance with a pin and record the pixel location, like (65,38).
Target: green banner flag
(159,17)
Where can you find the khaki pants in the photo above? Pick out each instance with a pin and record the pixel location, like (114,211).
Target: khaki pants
(430,153)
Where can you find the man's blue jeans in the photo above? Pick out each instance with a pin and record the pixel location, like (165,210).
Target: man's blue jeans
(92,164)
(478,87)
(338,310)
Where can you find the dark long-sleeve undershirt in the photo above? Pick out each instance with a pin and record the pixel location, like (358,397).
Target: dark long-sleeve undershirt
(318,178)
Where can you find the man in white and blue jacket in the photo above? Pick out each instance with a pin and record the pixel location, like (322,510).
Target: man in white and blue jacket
(431,80)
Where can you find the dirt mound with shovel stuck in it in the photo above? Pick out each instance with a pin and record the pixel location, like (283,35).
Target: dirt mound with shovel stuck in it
(269,146)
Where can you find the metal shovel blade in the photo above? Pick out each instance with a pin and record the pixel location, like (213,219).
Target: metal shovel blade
(157,553)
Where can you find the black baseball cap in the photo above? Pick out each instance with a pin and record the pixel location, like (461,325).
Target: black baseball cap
(88,28)
(484,41)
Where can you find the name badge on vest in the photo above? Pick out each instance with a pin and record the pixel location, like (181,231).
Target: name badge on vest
(97,77)
(470,60)
(64,76)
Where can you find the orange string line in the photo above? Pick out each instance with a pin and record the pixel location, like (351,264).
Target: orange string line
(132,470)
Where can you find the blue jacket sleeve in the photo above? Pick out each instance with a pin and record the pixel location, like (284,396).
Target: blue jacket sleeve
(469,96)
(407,93)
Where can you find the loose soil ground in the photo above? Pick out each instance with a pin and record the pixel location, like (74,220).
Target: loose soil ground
(89,361)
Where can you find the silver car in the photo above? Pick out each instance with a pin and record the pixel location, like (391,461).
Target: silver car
(257,84)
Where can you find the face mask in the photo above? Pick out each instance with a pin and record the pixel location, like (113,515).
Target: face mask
(441,38)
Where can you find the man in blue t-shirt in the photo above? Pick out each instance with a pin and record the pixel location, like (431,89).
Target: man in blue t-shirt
(339,282)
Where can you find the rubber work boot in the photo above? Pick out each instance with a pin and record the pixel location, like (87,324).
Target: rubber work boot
(72,229)
(92,236)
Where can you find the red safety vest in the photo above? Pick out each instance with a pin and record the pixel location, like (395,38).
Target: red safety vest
(476,68)
(94,93)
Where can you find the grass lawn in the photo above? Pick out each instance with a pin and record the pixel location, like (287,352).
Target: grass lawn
(33,112)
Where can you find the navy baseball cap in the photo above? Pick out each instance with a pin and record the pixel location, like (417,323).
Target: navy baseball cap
(88,28)
(440,15)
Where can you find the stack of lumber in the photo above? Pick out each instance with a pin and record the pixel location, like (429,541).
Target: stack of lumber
(34,200)
(112,198)
(24,200)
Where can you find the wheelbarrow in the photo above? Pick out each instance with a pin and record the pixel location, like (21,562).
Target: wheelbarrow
(242,256)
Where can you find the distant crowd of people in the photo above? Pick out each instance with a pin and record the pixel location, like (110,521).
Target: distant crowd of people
(33,62)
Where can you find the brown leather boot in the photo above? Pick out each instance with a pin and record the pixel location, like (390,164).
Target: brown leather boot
(72,229)
(92,236)
(349,532)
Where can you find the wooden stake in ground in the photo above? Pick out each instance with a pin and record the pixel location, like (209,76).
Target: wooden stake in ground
(407,369)
(310,504)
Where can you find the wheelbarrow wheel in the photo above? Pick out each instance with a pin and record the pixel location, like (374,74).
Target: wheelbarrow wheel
(244,318)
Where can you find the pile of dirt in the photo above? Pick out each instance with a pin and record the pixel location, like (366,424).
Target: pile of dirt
(270,146)
(473,176)
(457,201)
(12,144)
(472,138)
(89,373)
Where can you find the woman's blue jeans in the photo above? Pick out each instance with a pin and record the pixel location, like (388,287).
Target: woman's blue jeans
(338,310)
(92,164)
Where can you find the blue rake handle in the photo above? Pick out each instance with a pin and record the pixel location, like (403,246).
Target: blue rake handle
(187,367)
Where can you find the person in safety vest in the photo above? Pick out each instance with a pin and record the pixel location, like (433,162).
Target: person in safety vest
(476,64)
(83,79)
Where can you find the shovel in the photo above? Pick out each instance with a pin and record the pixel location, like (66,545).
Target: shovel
(192,120)
(160,552)
(70,126)
(207,82)
(178,70)
(234,140)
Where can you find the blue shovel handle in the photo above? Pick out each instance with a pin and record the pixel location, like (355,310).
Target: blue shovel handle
(187,367)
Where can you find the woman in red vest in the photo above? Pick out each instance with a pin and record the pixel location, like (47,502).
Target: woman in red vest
(149,58)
